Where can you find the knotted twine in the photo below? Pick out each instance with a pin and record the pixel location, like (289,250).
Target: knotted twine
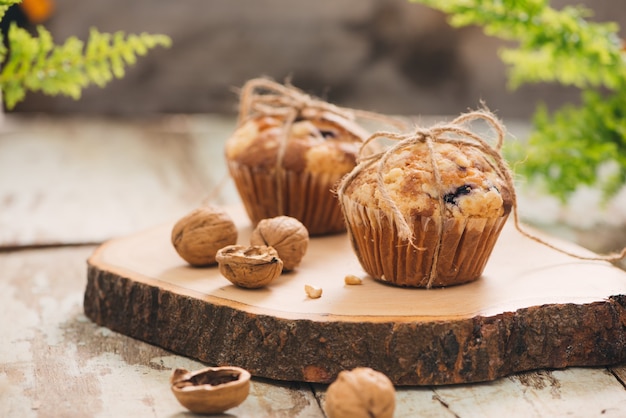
(264,97)
(455,133)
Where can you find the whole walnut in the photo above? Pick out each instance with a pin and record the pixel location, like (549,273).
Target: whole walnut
(287,235)
(361,392)
(199,235)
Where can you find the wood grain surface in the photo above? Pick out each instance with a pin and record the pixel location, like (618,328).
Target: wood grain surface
(73,180)
(533,308)
(55,362)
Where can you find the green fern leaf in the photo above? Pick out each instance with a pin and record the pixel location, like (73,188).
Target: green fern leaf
(5,4)
(37,64)
(554,45)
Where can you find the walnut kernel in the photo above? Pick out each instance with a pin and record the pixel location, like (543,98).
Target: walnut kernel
(352,280)
(198,235)
(287,235)
(313,292)
(361,392)
(249,267)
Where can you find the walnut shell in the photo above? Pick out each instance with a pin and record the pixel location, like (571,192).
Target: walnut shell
(211,390)
(287,235)
(361,392)
(249,267)
(199,235)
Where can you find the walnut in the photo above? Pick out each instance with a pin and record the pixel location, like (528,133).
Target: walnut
(361,392)
(211,390)
(249,267)
(287,235)
(198,235)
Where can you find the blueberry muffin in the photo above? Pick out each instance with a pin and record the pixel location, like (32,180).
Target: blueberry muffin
(292,167)
(453,214)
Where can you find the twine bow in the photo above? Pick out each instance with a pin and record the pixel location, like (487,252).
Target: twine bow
(261,96)
(455,133)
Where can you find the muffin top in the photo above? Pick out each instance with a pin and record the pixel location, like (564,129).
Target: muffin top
(470,185)
(320,145)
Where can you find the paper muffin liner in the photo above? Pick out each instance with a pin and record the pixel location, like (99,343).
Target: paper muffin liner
(465,248)
(306,196)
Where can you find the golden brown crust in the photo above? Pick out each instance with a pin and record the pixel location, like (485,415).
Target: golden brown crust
(470,186)
(316,145)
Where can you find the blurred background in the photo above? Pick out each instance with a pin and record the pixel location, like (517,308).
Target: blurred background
(149,147)
(389,56)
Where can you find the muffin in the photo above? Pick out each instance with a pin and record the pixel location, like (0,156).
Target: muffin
(288,159)
(415,225)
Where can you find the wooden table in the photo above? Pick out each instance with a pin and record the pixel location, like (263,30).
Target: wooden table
(67,185)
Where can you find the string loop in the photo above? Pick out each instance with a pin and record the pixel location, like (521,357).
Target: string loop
(261,96)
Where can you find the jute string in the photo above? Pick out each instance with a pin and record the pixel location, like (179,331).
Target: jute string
(261,96)
(455,133)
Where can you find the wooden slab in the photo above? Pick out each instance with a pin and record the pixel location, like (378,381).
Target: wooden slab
(533,308)
(76,180)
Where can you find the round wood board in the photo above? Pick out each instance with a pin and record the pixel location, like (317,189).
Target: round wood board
(533,308)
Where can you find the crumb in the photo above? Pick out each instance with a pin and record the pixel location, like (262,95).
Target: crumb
(351,279)
(312,291)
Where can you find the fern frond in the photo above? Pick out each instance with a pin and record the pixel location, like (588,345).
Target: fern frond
(38,64)
(5,4)
(554,45)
